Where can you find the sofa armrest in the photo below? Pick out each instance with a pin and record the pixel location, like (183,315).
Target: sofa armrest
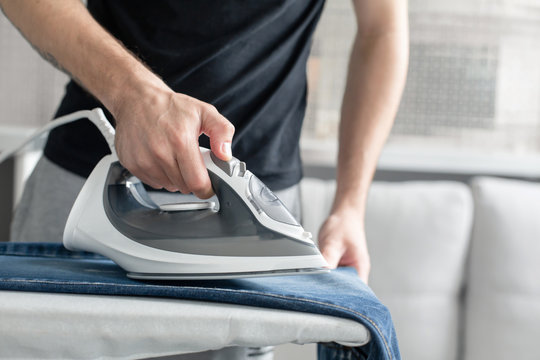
(503,289)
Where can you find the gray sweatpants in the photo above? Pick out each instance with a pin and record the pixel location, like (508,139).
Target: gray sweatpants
(44,208)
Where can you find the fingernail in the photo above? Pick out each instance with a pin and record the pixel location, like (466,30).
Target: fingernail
(226,148)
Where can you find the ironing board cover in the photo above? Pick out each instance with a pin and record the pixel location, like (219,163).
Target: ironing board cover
(49,267)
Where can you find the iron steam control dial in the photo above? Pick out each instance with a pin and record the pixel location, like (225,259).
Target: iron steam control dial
(268,202)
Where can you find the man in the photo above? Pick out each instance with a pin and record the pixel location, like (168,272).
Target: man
(169,71)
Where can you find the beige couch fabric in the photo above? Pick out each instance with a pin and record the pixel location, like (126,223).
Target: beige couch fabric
(503,290)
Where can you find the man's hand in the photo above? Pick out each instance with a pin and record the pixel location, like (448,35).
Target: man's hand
(342,242)
(157,140)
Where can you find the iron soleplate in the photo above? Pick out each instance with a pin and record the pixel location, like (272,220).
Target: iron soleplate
(225,276)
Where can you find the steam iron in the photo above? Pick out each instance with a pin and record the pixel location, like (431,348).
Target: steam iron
(248,233)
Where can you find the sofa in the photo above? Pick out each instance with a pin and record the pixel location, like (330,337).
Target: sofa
(457,264)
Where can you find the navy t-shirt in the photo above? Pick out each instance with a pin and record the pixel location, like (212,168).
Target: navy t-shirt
(245,57)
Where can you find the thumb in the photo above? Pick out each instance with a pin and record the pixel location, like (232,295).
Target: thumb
(220,131)
(332,255)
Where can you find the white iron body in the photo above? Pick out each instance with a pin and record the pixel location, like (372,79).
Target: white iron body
(251,234)
(90,228)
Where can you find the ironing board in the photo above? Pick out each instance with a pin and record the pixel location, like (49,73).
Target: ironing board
(53,326)
(39,324)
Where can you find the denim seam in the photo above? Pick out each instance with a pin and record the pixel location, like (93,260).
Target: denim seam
(220,289)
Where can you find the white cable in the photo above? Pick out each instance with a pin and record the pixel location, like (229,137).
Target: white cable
(96,116)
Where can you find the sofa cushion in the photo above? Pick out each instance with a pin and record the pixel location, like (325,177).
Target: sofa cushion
(503,290)
(418,236)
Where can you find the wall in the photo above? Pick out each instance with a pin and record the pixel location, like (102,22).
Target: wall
(30,88)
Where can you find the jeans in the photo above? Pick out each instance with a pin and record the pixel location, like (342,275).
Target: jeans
(49,267)
(333,351)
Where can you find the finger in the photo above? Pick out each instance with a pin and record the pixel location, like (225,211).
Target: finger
(363,275)
(150,169)
(362,267)
(332,255)
(152,174)
(175,184)
(194,172)
(152,181)
(219,130)
(147,177)
(170,175)
(174,175)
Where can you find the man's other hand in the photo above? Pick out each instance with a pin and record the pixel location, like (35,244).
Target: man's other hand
(342,242)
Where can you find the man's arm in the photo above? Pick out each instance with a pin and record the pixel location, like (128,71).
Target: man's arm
(157,129)
(376,77)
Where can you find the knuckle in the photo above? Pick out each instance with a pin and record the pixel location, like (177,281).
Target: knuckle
(198,189)
(151,182)
(183,189)
(229,127)
(210,108)
(130,165)
(143,165)
(171,188)
(160,154)
(146,166)
(193,113)
(200,185)
(180,185)
(180,140)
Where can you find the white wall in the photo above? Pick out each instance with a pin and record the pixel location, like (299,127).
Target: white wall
(30,88)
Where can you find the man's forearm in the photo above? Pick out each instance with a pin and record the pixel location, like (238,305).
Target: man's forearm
(376,77)
(65,34)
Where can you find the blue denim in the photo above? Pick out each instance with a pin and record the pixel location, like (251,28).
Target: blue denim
(48,267)
(333,351)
